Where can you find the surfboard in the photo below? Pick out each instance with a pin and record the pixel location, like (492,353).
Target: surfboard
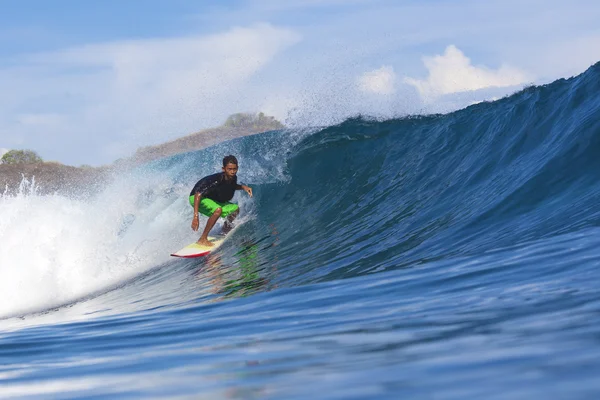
(195,250)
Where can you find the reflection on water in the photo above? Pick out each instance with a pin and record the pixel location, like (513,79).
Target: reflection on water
(248,273)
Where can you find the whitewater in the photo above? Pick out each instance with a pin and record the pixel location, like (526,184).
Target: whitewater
(444,256)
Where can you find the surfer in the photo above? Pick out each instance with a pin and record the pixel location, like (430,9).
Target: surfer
(211,196)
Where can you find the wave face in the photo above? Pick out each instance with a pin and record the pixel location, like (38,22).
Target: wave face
(447,256)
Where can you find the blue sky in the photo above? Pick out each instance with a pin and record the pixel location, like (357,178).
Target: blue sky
(87,82)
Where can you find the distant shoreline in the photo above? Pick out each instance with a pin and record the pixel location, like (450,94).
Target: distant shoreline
(54,177)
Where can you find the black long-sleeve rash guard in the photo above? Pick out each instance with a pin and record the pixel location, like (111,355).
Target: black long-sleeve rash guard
(216,187)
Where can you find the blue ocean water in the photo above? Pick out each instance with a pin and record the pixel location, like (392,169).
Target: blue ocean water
(438,257)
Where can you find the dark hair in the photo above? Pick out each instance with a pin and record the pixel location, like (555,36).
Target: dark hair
(229,160)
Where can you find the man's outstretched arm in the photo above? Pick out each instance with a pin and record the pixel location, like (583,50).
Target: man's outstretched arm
(245,188)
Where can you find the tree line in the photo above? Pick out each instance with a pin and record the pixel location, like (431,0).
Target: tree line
(21,157)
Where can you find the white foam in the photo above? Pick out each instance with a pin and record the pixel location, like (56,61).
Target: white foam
(55,249)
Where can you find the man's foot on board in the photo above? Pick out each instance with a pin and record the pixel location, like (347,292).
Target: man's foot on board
(205,242)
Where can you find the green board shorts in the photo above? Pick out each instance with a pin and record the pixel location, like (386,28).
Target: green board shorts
(208,207)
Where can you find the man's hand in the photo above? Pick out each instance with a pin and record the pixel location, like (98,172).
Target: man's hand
(247,189)
(195,223)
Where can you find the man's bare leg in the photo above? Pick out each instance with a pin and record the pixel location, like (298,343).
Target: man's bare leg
(228,224)
(209,225)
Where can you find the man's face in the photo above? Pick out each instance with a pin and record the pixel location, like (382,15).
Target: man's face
(230,170)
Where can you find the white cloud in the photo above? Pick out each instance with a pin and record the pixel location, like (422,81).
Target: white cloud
(3,152)
(379,81)
(452,72)
(112,98)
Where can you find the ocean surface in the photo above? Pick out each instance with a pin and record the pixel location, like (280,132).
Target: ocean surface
(429,257)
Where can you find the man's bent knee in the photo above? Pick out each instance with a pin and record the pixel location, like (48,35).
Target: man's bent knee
(218,212)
